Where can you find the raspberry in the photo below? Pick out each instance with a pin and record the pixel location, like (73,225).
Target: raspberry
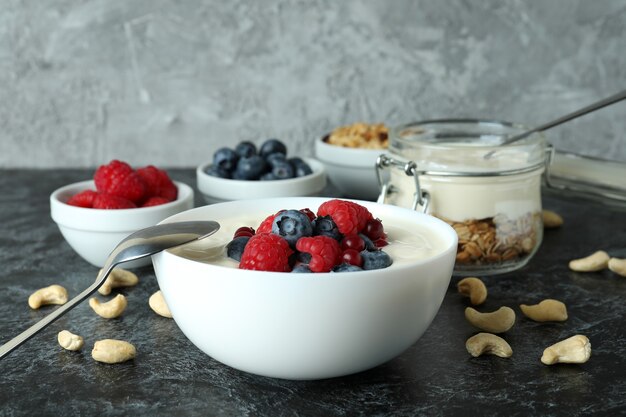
(349,217)
(158,183)
(325,252)
(111,202)
(118,179)
(83,199)
(155,201)
(266,252)
(266,225)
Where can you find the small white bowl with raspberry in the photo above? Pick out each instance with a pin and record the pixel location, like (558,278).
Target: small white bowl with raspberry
(95,215)
(312,288)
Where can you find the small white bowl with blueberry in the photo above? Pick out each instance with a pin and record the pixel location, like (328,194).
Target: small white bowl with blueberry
(247,172)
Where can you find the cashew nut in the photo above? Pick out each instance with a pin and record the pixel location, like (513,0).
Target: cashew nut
(594,262)
(158,305)
(111,309)
(551,220)
(473,288)
(113,351)
(54,294)
(70,341)
(576,349)
(547,310)
(618,266)
(488,344)
(498,321)
(118,278)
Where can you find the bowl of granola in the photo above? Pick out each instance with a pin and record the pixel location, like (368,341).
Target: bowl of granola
(266,315)
(349,155)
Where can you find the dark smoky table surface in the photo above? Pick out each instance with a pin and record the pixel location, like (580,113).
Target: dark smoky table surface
(435,376)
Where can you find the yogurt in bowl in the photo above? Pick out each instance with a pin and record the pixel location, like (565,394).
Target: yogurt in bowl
(306,326)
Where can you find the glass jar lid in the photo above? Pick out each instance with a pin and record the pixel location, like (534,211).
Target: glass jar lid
(468,147)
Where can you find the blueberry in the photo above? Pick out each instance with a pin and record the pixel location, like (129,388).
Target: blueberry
(375,259)
(225,158)
(235,247)
(344,267)
(276,158)
(301,268)
(245,149)
(272,146)
(268,176)
(250,168)
(369,244)
(292,225)
(325,226)
(304,257)
(300,167)
(282,170)
(215,171)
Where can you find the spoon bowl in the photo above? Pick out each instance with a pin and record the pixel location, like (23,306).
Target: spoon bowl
(143,243)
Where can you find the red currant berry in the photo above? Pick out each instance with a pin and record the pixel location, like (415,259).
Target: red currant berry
(374,229)
(352,257)
(309,213)
(381,242)
(244,231)
(353,242)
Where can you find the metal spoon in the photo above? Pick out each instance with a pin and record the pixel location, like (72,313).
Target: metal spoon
(138,245)
(588,109)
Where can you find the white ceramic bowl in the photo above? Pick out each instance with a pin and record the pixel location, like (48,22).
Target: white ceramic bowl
(351,170)
(215,189)
(94,233)
(303,326)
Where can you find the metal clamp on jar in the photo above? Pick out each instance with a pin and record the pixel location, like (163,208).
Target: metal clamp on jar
(490,194)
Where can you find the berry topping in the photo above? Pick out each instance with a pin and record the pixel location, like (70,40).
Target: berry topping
(83,199)
(302,269)
(352,257)
(266,225)
(155,201)
(308,213)
(325,226)
(244,231)
(266,252)
(374,229)
(325,252)
(292,225)
(225,158)
(272,146)
(235,247)
(375,260)
(346,268)
(369,245)
(353,242)
(119,179)
(349,217)
(111,202)
(158,183)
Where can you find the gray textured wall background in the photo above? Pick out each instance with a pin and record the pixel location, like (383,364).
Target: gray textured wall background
(167,82)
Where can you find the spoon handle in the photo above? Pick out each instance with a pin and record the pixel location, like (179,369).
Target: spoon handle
(50,318)
(588,109)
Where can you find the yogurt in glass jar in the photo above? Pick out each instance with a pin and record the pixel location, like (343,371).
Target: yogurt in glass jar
(456,170)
